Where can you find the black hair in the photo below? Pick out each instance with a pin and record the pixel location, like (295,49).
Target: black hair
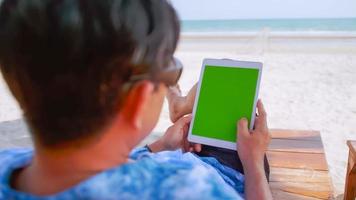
(66,61)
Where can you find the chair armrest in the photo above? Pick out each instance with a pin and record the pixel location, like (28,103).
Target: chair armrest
(350,182)
(352,147)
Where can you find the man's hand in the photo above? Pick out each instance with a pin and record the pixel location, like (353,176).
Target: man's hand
(176,137)
(251,147)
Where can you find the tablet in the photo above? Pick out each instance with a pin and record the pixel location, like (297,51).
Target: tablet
(227,91)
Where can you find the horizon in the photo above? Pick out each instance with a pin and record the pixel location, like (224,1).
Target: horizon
(227,19)
(262,9)
(296,24)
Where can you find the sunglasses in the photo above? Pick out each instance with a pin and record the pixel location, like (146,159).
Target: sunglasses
(169,76)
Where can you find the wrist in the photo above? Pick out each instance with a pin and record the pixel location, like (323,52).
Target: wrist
(156,146)
(254,165)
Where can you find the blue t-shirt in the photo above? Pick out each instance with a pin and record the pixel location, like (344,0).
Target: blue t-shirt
(163,175)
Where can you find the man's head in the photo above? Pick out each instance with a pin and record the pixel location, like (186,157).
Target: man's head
(70,63)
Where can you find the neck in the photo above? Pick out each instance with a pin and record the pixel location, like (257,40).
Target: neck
(54,170)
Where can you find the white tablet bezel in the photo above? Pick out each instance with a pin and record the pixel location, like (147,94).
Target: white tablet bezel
(224,63)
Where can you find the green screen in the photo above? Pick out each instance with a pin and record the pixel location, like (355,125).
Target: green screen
(226,95)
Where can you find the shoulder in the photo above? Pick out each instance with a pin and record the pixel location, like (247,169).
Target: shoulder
(16,153)
(10,158)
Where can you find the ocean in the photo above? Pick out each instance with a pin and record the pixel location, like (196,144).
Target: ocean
(279,25)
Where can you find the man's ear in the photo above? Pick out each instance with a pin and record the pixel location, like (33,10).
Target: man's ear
(133,106)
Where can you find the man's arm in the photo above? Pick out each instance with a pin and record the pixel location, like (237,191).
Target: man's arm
(256,185)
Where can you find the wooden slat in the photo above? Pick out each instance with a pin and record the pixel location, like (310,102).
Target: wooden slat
(295,135)
(297,160)
(315,190)
(282,195)
(299,175)
(302,146)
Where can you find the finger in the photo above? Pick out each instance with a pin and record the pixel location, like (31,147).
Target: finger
(261,120)
(183,125)
(197,147)
(186,145)
(184,120)
(185,129)
(261,109)
(242,128)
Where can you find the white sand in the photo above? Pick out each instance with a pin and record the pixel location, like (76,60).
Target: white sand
(308,83)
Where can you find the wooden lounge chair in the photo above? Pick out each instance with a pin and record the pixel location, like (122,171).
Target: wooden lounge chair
(350,183)
(298,166)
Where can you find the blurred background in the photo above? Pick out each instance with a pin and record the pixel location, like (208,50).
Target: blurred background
(308,48)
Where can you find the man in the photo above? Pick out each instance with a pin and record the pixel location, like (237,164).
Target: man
(91,77)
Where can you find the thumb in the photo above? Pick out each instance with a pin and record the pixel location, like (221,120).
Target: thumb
(184,120)
(242,128)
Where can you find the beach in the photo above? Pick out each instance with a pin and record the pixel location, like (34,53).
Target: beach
(308,83)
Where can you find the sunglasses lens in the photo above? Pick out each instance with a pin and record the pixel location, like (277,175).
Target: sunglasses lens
(175,70)
(169,76)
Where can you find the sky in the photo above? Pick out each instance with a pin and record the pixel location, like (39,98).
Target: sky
(257,9)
